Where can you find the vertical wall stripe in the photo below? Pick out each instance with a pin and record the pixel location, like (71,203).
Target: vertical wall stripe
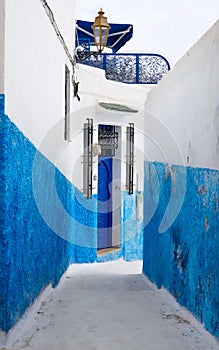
(132,229)
(2,104)
(2,214)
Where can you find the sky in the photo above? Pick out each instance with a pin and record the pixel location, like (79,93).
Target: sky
(167,27)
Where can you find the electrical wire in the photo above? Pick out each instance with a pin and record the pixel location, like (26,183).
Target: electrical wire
(51,17)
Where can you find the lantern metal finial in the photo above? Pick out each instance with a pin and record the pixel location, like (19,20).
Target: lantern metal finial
(101,29)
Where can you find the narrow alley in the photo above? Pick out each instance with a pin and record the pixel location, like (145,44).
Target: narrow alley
(109,166)
(108,306)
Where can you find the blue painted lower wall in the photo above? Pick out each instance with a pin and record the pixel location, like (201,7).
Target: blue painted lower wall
(132,229)
(131,232)
(185,258)
(32,255)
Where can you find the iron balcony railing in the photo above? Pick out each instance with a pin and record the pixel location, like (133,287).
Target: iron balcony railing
(131,68)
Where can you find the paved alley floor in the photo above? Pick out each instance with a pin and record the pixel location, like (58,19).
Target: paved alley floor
(109,306)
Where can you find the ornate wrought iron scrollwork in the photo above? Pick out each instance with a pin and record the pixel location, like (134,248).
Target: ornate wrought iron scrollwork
(121,68)
(108,140)
(131,68)
(152,69)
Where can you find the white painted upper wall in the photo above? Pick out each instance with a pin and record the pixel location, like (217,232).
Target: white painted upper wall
(35,86)
(35,68)
(182,111)
(95,88)
(64,14)
(2,44)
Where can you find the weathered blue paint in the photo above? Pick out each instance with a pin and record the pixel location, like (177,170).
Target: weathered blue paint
(31,254)
(2,104)
(184,259)
(131,233)
(84,214)
(132,229)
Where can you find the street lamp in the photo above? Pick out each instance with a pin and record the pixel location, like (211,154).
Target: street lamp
(100,29)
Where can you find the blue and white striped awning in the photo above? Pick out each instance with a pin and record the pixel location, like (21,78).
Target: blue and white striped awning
(119,34)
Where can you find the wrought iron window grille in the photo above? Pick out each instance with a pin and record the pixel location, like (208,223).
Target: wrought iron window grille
(108,139)
(67,104)
(130,158)
(88,159)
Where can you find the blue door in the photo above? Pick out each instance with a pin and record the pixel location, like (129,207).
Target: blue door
(104,239)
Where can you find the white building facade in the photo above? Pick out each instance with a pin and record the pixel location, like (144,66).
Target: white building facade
(181,181)
(47,220)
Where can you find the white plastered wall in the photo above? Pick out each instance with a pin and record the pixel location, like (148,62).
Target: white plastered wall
(64,13)
(35,86)
(94,88)
(2,44)
(182,111)
(35,71)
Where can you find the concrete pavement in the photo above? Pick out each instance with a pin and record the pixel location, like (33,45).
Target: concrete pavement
(108,306)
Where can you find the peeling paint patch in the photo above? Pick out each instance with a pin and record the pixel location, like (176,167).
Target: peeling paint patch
(167,171)
(206,224)
(216,204)
(201,190)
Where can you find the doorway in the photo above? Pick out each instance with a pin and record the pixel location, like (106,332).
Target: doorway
(104,202)
(109,196)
